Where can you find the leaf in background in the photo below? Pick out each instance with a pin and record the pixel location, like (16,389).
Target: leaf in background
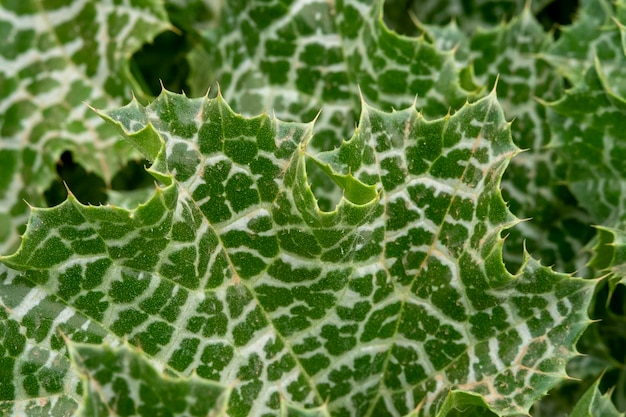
(591,34)
(595,404)
(469,14)
(296,58)
(194,15)
(590,124)
(232,272)
(556,230)
(54,57)
(610,255)
(604,340)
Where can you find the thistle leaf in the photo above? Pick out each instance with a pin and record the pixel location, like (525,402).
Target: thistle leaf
(589,122)
(299,57)
(595,404)
(231,273)
(55,56)
(556,230)
(122,382)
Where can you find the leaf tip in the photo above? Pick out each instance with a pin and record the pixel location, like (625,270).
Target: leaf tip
(208,91)
(361,97)
(493,92)
(93,109)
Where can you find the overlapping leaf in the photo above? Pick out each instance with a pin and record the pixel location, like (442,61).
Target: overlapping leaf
(590,402)
(54,56)
(232,273)
(122,382)
(590,35)
(556,229)
(590,122)
(38,377)
(594,403)
(470,14)
(295,58)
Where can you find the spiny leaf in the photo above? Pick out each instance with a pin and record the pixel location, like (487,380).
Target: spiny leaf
(36,376)
(590,35)
(610,254)
(469,14)
(556,228)
(122,382)
(295,58)
(589,120)
(595,404)
(231,272)
(589,124)
(54,57)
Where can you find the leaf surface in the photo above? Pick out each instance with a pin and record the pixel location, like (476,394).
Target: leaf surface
(591,34)
(471,14)
(232,273)
(589,122)
(296,58)
(593,403)
(513,53)
(54,57)
(121,382)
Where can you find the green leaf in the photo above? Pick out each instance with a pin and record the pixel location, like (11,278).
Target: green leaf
(122,382)
(54,57)
(589,124)
(589,133)
(468,404)
(556,229)
(36,376)
(595,404)
(231,272)
(471,14)
(610,254)
(590,35)
(296,58)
